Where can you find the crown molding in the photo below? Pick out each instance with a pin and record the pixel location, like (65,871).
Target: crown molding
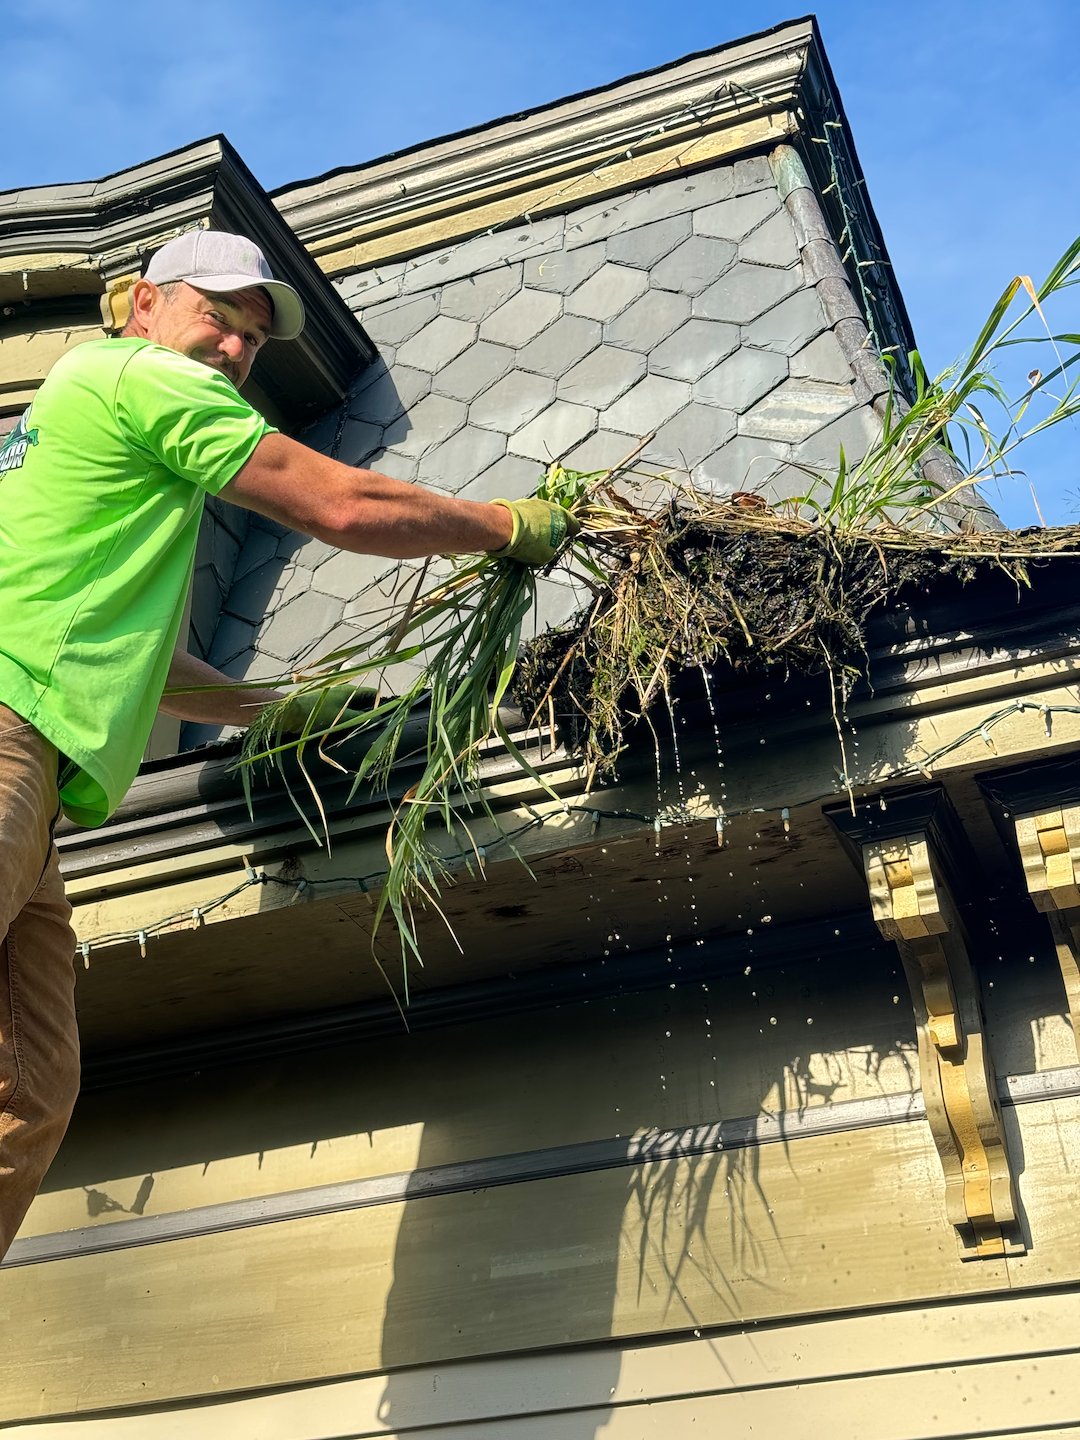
(92,237)
(725,101)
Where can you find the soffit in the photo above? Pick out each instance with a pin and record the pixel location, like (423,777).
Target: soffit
(605,885)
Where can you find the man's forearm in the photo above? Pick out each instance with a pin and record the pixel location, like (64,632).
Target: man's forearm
(231,705)
(362,510)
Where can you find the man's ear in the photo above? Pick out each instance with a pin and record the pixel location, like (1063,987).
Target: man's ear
(143,298)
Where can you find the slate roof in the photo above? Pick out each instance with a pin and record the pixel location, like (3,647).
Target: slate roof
(682,308)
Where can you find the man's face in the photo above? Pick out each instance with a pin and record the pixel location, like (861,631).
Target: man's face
(225,332)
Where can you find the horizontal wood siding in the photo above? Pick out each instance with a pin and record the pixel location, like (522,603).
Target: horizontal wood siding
(1005,1367)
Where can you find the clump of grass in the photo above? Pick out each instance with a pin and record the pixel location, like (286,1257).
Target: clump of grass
(702,582)
(754,592)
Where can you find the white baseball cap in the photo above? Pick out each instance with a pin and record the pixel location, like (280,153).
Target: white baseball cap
(219,262)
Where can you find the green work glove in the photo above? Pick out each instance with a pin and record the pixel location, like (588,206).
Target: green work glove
(338,705)
(539,531)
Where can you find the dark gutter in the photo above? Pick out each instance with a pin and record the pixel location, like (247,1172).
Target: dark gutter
(196,799)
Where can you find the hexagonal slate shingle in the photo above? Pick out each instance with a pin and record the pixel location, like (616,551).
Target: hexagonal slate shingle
(554,431)
(744,292)
(476,296)
(399,320)
(601,451)
(796,410)
(521,317)
(648,320)
(428,423)
(822,359)
(642,248)
(789,326)
(560,347)
(291,629)
(694,265)
(359,440)
(693,349)
(741,381)
(772,243)
(461,458)
(511,477)
(439,342)
(647,406)
(473,371)
(602,377)
(856,432)
(388,394)
(734,218)
(512,402)
(744,463)
(564,270)
(753,173)
(607,292)
(346,574)
(389,462)
(692,435)
(231,638)
(248,599)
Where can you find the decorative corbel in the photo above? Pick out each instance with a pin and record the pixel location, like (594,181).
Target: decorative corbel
(116,301)
(1037,808)
(902,853)
(1049,844)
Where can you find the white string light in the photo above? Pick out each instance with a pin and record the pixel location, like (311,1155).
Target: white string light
(302,885)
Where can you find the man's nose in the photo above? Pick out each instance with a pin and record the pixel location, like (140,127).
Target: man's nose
(233,345)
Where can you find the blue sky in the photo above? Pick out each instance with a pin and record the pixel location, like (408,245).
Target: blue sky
(962,114)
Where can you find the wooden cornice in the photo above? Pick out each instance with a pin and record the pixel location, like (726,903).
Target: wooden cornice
(91,238)
(737,98)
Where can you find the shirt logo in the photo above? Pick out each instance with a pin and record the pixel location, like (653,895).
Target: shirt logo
(16,443)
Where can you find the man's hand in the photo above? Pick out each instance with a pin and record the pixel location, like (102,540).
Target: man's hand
(540,528)
(339,705)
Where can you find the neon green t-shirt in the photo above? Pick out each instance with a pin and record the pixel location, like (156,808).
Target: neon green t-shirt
(102,486)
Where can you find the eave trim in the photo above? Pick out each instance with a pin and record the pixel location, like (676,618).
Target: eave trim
(754,80)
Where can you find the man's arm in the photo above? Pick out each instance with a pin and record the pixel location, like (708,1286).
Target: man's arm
(362,510)
(231,706)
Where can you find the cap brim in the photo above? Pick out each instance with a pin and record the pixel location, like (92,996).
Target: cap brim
(288,321)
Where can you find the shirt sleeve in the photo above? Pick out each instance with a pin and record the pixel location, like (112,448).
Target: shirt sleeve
(187,416)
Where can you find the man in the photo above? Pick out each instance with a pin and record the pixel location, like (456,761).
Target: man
(102,486)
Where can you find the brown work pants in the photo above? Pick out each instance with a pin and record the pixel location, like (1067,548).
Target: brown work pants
(39,1046)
